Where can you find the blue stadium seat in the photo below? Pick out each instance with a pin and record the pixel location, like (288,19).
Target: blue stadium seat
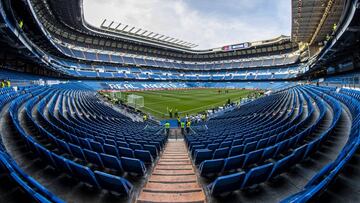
(61,164)
(269,152)
(131,165)
(257,175)
(209,167)
(111,162)
(250,147)
(299,153)
(63,146)
(39,198)
(234,162)
(213,146)
(83,174)
(221,153)
(134,146)
(93,157)
(152,149)
(225,144)
(96,146)
(76,151)
(114,183)
(282,165)
(226,184)
(253,157)
(236,150)
(201,155)
(111,149)
(144,156)
(126,152)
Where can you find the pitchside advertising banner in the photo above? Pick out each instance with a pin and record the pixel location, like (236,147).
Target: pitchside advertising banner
(236,46)
(139,86)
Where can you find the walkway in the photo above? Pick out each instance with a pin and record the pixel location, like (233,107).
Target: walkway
(173,179)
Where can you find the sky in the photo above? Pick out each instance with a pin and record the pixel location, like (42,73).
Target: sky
(208,23)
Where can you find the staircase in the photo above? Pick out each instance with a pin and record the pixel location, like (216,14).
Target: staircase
(173,179)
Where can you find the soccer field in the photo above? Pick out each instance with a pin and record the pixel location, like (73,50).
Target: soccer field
(185,102)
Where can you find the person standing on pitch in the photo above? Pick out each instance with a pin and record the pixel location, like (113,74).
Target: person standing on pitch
(170,113)
(178,121)
(167,128)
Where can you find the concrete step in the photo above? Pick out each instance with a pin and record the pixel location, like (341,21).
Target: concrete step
(173,179)
(172,188)
(190,197)
(173,172)
(161,162)
(174,167)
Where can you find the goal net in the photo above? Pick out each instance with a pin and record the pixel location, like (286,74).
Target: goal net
(135,101)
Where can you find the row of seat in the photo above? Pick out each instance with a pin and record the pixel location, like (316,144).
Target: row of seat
(74,168)
(264,170)
(327,175)
(34,190)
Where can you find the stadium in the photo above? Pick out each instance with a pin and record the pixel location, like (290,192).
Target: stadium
(119,113)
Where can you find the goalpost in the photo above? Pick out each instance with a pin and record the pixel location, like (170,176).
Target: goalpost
(135,101)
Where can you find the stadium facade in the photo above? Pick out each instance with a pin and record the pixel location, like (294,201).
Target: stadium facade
(58,61)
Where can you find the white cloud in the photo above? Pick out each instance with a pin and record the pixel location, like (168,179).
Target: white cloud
(208,27)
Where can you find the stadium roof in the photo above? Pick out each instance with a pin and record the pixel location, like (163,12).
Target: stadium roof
(208,23)
(313,20)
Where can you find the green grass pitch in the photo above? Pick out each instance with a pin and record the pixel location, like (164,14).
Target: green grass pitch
(157,102)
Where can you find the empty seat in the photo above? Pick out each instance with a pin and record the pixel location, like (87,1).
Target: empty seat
(111,162)
(226,183)
(210,167)
(144,156)
(152,149)
(282,165)
(269,152)
(213,146)
(299,153)
(234,162)
(61,164)
(114,183)
(250,147)
(125,152)
(201,155)
(76,151)
(283,146)
(131,165)
(63,146)
(111,149)
(236,150)
(93,157)
(83,173)
(262,143)
(221,153)
(122,144)
(253,157)
(257,175)
(225,144)
(134,146)
(96,146)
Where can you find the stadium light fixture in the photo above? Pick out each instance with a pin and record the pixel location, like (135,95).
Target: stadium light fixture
(111,24)
(117,26)
(125,27)
(102,24)
(131,29)
(138,31)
